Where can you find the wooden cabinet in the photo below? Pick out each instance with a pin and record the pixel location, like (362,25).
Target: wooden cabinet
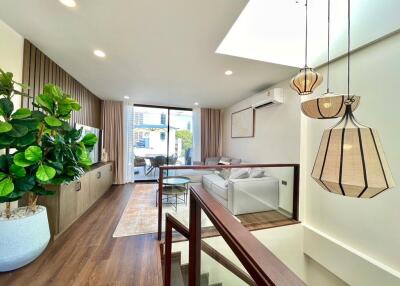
(74,199)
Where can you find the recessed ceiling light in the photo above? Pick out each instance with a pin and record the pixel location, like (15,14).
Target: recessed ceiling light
(196,103)
(68,3)
(126,97)
(99,53)
(228,72)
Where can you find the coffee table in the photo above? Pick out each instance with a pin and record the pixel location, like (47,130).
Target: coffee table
(175,187)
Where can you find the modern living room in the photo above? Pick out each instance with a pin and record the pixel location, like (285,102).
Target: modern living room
(199,143)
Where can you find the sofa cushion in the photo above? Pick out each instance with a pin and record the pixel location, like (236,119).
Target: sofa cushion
(241,173)
(257,173)
(212,161)
(216,185)
(236,161)
(224,161)
(225,173)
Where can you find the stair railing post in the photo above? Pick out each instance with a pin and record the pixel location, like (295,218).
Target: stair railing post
(168,252)
(160,192)
(194,242)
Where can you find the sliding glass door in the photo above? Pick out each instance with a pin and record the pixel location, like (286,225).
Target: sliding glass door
(162,135)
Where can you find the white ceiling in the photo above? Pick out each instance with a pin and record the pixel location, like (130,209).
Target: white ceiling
(273,30)
(158,52)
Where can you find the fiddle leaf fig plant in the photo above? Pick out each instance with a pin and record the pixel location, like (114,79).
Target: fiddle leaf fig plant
(39,147)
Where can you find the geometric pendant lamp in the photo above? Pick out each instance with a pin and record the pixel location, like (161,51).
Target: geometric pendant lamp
(307,80)
(351,161)
(329,105)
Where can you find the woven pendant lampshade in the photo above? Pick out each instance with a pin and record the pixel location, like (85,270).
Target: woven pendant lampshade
(350,160)
(329,105)
(306,81)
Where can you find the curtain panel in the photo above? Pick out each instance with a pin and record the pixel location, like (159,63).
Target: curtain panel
(211,133)
(112,123)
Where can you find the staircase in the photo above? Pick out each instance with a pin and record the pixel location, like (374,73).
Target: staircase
(180,272)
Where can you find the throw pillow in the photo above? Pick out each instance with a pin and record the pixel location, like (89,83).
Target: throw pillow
(257,173)
(224,161)
(225,173)
(241,173)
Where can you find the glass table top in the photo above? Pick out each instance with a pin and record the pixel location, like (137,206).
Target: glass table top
(176,181)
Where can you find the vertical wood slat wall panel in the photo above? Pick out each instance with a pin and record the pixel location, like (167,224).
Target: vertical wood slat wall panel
(38,70)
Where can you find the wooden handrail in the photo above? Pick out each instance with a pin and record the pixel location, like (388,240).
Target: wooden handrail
(296,178)
(262,265)
(208,249)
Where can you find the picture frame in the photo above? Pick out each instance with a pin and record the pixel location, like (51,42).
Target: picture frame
(242,123)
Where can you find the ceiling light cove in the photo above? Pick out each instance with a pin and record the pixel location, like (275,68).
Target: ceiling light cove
(228,72)
(196,104)
(126,97)
(68,3)
(99,53)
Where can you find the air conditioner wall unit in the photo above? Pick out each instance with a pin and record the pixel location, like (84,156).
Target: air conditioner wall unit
(267,98)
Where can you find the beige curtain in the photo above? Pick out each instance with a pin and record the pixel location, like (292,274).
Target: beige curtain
(112,122)
(211,133)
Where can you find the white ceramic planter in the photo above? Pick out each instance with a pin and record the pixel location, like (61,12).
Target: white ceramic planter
(23,239)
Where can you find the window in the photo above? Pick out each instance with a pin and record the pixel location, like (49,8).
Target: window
(163,120)
(162,136)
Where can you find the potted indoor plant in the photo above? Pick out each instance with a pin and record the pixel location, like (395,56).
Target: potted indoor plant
(38,148)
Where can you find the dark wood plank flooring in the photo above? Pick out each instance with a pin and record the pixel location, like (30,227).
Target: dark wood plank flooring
(87,254)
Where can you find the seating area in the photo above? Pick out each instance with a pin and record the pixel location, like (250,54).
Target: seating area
(199,143)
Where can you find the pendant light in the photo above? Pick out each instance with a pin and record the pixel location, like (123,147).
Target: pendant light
(329,105)
(350,159)
(307,80)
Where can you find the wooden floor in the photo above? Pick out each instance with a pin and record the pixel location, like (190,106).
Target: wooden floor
(87,254)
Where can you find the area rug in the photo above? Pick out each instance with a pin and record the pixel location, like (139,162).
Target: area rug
(141,214)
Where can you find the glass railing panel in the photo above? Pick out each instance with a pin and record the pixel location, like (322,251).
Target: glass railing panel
(180,263)
(219,264)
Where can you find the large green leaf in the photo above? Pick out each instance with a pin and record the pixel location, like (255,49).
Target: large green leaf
(30,123)
(6,106)
(33,153)
(75,106)
(20,160)
(45,101)
(2,175)
(25,184)
(5,127)
(38,115)
(45,173)
(4,159)
(53,91)
(53,121)
(89,139)
(21,113)
(64,109)
(28,139)
(18,130)
(6,139)
(6,187)
(17,171)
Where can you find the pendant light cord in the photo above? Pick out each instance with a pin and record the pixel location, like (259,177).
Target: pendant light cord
(329,35)
(348,50)
(306,33)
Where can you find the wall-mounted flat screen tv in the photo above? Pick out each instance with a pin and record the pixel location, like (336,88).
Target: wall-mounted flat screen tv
(95,155)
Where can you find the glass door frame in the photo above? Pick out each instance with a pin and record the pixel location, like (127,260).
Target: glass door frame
(169,108)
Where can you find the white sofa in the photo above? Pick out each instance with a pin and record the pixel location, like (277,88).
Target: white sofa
(241,196)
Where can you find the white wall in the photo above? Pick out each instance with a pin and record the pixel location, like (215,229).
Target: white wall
(368,226)
(363,231)
(11,57)
(276,140)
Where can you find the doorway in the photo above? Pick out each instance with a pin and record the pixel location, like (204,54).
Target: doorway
(162,136)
